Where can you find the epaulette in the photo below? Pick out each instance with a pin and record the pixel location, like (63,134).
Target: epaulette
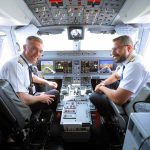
(20,62)
(132,59)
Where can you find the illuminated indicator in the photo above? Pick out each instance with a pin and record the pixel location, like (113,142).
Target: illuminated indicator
(56,3)
(93,2)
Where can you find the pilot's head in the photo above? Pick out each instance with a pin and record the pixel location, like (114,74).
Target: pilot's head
(123,47)
(33,49)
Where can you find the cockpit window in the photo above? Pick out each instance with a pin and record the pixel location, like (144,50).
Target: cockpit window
(146,52)
(5,50)
(97,41)
(91,41)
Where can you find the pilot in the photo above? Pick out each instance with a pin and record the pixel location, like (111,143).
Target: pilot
(132,74)
(17,71)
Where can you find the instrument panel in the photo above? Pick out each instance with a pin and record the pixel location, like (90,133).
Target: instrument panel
(85,66)
(76,67)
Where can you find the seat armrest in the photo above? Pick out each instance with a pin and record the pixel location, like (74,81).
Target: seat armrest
(118,109)
(119,112)
(141,106)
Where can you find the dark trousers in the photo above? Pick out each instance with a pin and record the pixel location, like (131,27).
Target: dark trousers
(101,102)
(40,106)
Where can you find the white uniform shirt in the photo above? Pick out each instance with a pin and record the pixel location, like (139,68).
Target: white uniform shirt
(17,73)
(135,74)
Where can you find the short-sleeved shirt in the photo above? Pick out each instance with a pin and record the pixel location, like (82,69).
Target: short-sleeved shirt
(17,73)
(134,75)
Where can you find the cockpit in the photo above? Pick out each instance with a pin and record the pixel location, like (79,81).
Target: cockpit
(77,54)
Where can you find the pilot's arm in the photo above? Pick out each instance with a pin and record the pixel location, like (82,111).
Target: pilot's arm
(111,79)
(118,96)
(39,80)
(30,99)
(128,85)
(43,98)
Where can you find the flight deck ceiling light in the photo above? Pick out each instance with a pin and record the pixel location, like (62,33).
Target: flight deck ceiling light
(75,33)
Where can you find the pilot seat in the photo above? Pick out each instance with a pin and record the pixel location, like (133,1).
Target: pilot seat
(18,122)
(123,112)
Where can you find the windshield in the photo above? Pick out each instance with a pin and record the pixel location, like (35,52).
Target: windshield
(91,41)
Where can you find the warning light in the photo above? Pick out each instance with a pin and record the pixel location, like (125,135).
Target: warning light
(56,3)
(93,2)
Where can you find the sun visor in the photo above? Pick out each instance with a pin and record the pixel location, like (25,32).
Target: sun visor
(135,11)
(123,29)
(14,12)
(27,30)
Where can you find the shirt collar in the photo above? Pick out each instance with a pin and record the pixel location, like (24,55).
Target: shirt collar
(26,59)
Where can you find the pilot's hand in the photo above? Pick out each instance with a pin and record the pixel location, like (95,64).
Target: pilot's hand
(98,88)
(44,98)
(102,83)
(52,84)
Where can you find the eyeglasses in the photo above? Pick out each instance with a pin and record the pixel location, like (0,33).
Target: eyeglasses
(118,47)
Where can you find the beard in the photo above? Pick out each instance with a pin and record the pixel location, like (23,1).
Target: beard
(120,59)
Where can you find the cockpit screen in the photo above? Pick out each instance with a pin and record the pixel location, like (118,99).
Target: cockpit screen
(89,66)
(93,66)
(63,66)
(47,66)
(106,66)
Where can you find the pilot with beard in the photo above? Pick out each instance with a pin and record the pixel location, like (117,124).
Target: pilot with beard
(132,74)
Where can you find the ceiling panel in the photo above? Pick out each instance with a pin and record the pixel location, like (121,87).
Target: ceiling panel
(75,12)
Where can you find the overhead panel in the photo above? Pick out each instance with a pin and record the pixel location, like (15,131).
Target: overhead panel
(75,12)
